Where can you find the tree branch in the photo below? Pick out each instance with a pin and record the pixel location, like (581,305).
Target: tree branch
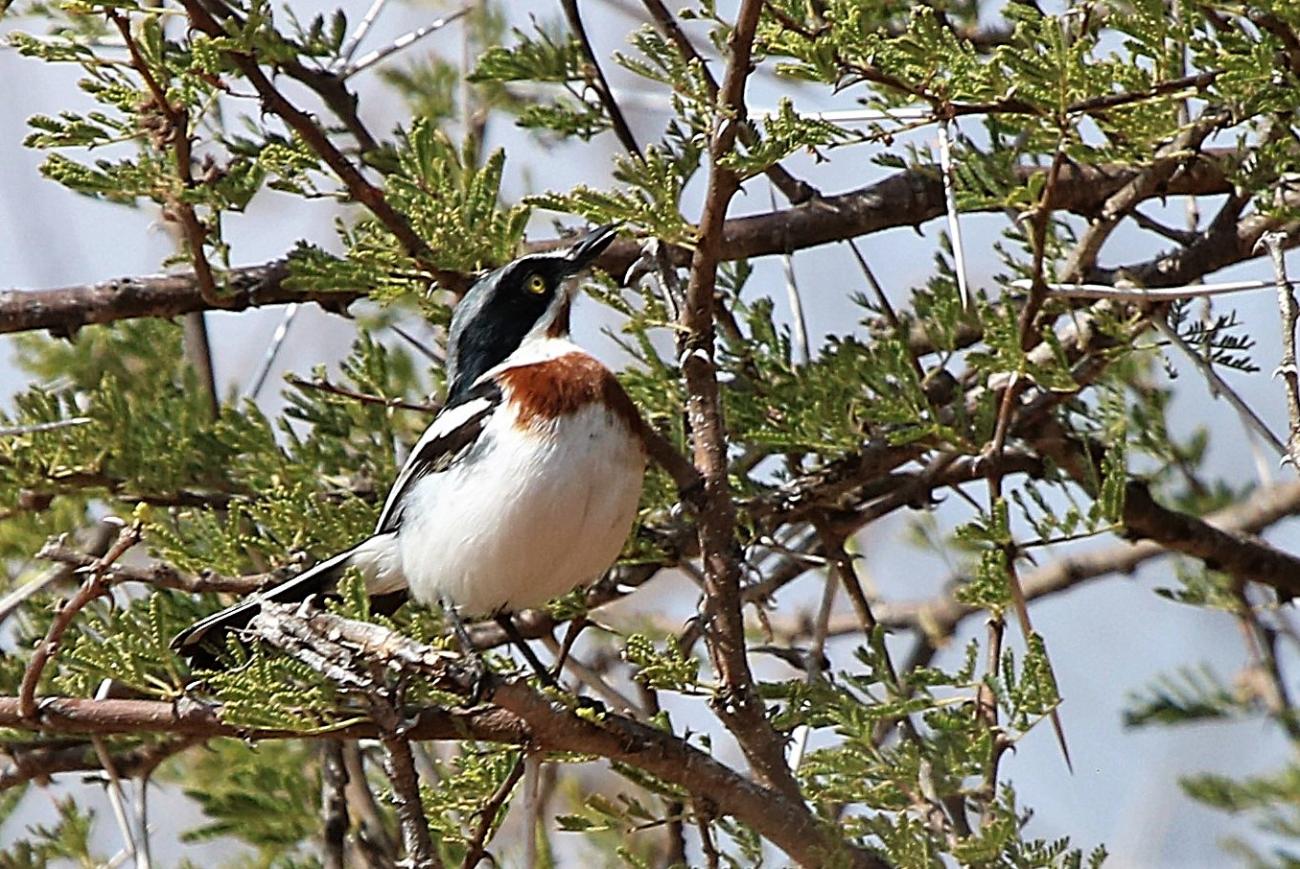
(46,760)
(596,78)
(785,822)
(735,701)
(95,585)
(906,198)
(794,189)
(1234,553)
(187,717)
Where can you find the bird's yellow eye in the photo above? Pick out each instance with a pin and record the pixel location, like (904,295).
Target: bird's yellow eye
(536,284)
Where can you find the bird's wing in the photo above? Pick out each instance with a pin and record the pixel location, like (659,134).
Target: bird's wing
(450,436)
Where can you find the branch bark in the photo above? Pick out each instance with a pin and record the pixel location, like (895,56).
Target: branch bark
(907,198)
(735,700)
(1236,554)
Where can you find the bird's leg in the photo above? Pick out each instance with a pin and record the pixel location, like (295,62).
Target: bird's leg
(478,669)
(507,624)
(570,637)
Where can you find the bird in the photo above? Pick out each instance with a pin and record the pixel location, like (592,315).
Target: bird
(523,487)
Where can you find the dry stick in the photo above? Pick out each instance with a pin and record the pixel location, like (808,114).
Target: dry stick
(43,761)
(735,701)
(281,628)
(399,764)
(950,206)
(363,397)
(786,822)
(353,41)
(891,316)
(704,822)
(1150,295)
(373,834)
(198,352)
(813,667)
(95,585)
(1287,370)
(404,41)
(358,187)
(192,229)
(258,380)
(801,343)
(596,79)
(159,574)
(1168,159)
(532,806)
(1261,646)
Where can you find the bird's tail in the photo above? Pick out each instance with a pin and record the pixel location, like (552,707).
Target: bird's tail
(203,639)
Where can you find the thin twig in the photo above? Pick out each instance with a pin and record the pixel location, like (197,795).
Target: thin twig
(198,351)
(814,666)
(116,797)
(314,137)
(1143,294)
(891,317)
(803,348)
(363,397)
(985,701)
(488,812)
(158,574)
(94,586)
(363,27)
(596,79)
(1287,369)
(1244,410)
(795,190)
(334,804)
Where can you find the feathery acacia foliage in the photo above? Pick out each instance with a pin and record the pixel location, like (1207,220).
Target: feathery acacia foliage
(1048,395)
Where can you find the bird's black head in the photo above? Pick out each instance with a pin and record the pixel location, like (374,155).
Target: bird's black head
(525,300)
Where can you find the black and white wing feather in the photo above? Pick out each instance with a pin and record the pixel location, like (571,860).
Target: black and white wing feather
(451,437)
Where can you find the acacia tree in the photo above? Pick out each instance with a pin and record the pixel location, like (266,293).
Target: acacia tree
(1034,398)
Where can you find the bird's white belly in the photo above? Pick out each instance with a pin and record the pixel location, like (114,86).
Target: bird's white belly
(547,512)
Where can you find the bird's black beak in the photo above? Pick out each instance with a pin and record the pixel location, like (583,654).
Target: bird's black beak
(591,246)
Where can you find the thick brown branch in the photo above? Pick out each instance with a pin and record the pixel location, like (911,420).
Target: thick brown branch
(1239,555)
(192,718)
(939,618)
(42,761)
(784,821)
(65,310)
(907,198)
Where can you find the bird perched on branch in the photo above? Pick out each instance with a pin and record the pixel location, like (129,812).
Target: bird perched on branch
(526,483)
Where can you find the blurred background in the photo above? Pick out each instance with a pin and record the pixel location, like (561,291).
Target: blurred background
(1107,638)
